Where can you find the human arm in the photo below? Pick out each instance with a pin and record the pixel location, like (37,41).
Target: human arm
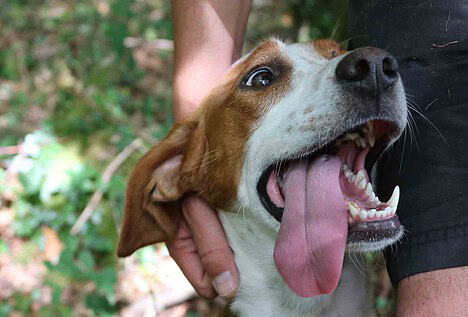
(441,293)
(208,38)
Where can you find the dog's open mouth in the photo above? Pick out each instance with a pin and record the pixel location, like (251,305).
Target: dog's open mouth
(325,203)
(358,149)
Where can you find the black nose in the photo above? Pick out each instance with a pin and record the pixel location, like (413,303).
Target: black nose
(369,68)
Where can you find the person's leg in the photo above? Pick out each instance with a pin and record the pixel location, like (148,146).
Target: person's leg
(430,163)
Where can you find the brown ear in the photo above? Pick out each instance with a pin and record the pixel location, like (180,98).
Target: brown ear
(152,207)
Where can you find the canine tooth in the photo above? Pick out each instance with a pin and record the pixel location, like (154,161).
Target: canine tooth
(363,142)
(360,142)
(370,126)
(360,175)
(370,139)
(353,209)
(393,201)
(371,213)
(369,189)
(363,214)
(362,184)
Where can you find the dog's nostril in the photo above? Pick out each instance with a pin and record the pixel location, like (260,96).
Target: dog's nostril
(353,69)
(362,69)
(389,66)
(369,69)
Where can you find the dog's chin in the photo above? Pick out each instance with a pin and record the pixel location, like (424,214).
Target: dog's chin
(372,225)
(373,236)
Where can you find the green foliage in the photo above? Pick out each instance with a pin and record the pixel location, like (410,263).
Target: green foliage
(74,93)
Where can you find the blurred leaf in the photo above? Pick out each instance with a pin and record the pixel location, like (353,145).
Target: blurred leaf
(5,308)
(57,309)
(99,304)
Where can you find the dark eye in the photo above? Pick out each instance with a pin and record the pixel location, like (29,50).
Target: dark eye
(260,78)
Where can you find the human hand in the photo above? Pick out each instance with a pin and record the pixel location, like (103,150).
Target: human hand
(201,250)
(208,38)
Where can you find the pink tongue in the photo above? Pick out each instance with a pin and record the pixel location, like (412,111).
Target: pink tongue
(311,242)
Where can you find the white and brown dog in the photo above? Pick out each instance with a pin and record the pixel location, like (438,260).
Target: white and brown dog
(283,148)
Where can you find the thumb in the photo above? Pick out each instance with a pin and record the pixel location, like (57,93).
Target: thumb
(215,254)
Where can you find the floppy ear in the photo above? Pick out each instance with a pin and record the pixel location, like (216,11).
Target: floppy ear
(152,207)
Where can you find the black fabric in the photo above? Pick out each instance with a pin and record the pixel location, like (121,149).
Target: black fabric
(430,41)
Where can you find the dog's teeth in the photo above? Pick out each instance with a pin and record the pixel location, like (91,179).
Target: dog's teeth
(344,167)
(348,175)
(371,213)
(388,211)
(379,214)
(364,142)
(353,209)
(363,214)
(362,184)
(370,139)
(361,142)
(369,189)
(359,177)
(352,136)
(393,201)
(393,211)
(370,127)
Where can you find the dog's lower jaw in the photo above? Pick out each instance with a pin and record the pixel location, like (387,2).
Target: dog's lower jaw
(263,292)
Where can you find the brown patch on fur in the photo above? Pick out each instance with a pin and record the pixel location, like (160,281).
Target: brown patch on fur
(212,143)
(328,48)
(229,123)
(145,221)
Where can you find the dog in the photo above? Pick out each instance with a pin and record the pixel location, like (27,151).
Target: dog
(283,147)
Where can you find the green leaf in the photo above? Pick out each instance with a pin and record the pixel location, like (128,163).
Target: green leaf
(86,260)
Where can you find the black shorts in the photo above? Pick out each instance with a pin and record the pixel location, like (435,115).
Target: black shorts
(430,162)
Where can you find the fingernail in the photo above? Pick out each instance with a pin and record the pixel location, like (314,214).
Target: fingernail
(224,284)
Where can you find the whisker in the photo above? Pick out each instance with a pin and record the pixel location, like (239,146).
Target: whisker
(413,107)
(335,28)
(352,38)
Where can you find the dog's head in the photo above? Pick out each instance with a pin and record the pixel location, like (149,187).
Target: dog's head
(290,134)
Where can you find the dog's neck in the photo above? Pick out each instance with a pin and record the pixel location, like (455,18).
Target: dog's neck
(262,290)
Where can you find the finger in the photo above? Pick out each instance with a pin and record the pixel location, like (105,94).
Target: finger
(215,254)
(184,252)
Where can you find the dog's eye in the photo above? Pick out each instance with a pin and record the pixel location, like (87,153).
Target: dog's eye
(259,78)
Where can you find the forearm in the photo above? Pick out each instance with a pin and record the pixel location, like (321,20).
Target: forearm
(437,293)
(208,37)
